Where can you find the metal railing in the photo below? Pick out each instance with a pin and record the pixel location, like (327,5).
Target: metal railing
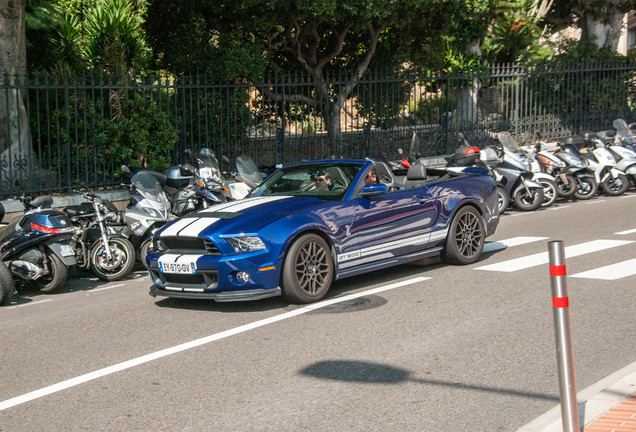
(58,133)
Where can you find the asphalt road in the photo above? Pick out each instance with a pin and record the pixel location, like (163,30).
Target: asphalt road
(422,347)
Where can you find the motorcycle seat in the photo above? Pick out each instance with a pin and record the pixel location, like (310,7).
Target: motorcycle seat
(79,210)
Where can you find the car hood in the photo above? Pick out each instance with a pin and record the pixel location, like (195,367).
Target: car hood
(237,217)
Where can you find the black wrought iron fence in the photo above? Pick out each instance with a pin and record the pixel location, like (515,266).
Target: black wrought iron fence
(59,133)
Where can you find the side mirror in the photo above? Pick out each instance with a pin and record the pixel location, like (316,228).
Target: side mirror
(125,170)
(188,153)
(373,190)
(187,170)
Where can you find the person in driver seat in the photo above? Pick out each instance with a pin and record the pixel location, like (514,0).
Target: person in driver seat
(322,181)
(370,177)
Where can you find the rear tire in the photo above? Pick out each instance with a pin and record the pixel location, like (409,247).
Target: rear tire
(587,188)
(57,276)
(308,270)
(7,287)
(466,237)
(615,186)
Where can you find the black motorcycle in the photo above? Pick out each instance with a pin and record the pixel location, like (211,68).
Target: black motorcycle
(96,242)
(35,248)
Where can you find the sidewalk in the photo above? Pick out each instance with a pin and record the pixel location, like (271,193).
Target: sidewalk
(608,405)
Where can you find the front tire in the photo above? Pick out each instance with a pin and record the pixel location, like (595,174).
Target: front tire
(588,187)
(308,270)
(466,237)
(615,186)
(121,262)
(550,193)
(529,202)
(567,187)
(58,274)
(503,199)
(143,251)
(7,287)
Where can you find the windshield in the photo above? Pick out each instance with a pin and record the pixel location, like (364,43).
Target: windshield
(508,142)
(624,132)
(208,166)
(325,180)
(248,171)
(145,182)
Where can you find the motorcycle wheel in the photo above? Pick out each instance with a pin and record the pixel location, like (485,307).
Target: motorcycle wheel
(550,193)
(587,188)
(615,186)
(569,189)
(7,286)
(143,251)
(528,202)
(57,276)
(122,262)
(503,199)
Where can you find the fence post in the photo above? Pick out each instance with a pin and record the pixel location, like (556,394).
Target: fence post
(561,313)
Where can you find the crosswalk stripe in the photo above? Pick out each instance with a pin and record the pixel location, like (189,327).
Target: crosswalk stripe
(543,258)
(610,272)
(631,231)
(515,241)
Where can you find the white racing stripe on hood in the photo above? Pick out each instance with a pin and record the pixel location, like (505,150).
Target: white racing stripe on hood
(193,226)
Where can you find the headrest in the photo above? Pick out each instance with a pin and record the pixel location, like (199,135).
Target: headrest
(416,172)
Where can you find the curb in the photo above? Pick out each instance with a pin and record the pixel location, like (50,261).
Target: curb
(593,402)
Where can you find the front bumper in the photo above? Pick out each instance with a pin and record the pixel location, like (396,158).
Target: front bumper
(227,296)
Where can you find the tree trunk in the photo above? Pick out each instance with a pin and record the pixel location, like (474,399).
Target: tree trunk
(467,95)
(604,32)
(16,154)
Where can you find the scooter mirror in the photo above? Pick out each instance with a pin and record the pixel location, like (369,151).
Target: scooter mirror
(125,169)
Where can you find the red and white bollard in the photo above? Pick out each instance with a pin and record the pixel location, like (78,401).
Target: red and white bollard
(561,312)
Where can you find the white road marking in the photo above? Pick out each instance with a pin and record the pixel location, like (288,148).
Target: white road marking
(559,207)
(192,344)
(610,272)
(631,231)
(28,304)
(515,241)
(594,202)
(107,288)
(628,196)
(542,257)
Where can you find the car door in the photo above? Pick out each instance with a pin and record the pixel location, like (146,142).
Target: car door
(391,225)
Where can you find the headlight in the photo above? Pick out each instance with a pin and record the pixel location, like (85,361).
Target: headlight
(152,212)
(246,243)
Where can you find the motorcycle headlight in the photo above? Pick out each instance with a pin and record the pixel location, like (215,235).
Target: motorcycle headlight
(246,243)
(152,212)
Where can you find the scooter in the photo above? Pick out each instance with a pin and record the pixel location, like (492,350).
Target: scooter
(569,152)
(514,174)
(564,178)
(603,164)
(245,179)
(547,180)
(36,248)
(149,209)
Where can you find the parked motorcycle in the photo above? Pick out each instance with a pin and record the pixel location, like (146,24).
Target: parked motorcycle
(149,209)
(35,248)
(206,187)
(569,152)
(563,175)
(96,243)
(603,164)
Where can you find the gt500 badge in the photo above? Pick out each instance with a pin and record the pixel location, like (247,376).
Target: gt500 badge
(348,256)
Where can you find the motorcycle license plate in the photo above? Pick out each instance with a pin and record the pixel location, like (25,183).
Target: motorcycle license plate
(66,250)
(180,268)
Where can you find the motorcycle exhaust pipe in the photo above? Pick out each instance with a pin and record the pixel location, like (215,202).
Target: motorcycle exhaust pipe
(25,270)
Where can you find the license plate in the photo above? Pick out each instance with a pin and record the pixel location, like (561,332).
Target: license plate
(66,250)
(181,268)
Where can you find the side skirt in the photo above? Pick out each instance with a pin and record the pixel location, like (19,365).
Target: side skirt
(389,262)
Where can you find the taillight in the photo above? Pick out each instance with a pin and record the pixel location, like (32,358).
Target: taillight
(45,229)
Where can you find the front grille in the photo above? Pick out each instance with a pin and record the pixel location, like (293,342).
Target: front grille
(188,245)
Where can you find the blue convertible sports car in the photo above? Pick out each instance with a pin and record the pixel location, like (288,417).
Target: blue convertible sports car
(311,223)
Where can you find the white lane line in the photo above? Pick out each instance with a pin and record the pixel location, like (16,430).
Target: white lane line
(610,272)
(28,304)
(106,288)
(594,202)
(514,241)
(192,344)
(631,231)
(628,196)
(559,207)
(542,257)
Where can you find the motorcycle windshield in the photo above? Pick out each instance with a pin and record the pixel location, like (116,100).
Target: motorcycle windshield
(248,171)
(623,131)
(146,183)
(209,167)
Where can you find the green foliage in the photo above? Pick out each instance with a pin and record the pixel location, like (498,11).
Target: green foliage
(429,108)
(140,135)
